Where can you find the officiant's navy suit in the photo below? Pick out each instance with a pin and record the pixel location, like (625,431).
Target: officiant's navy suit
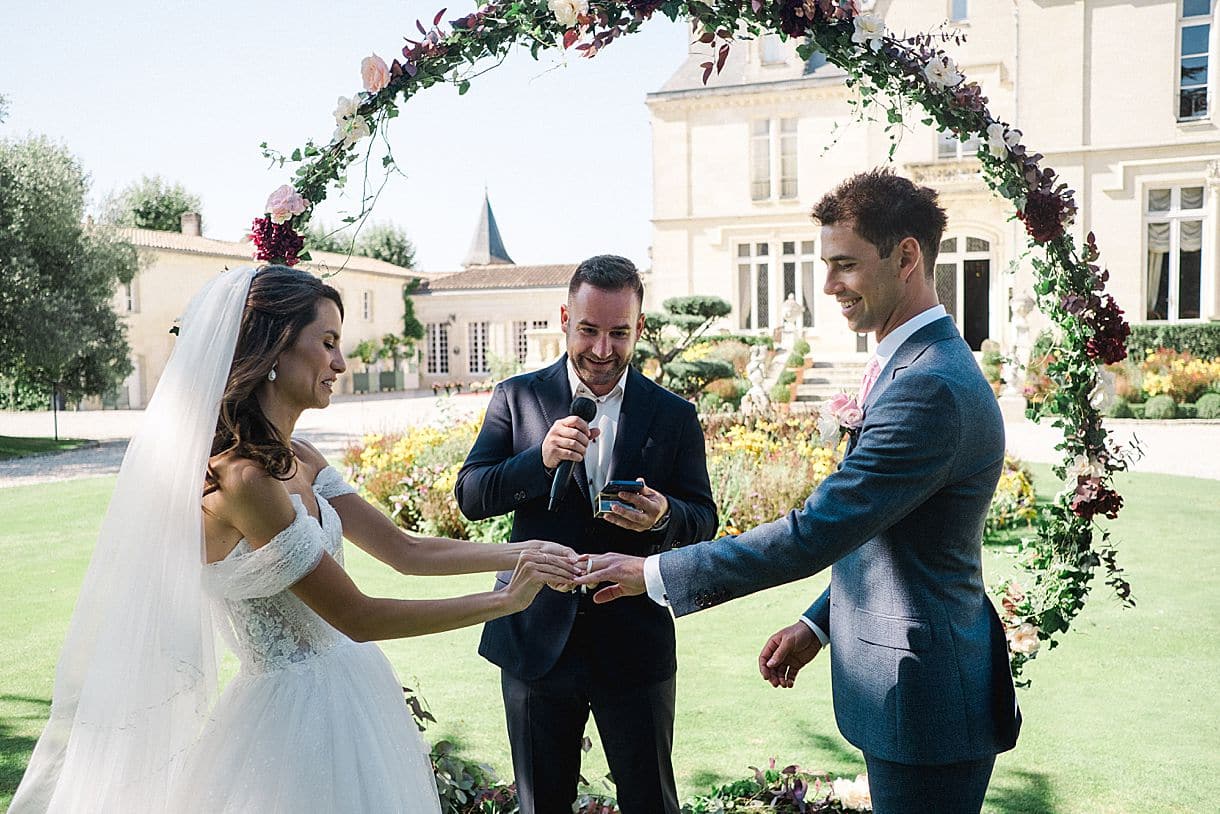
(918,656)
(564,645)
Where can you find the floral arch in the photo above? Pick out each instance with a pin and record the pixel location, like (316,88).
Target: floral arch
(898,75)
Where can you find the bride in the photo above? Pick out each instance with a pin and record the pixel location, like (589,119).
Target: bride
(315,720)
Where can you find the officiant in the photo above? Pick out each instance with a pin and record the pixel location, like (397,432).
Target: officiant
(565,656)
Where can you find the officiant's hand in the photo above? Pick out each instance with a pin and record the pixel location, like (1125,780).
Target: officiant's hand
(786,652)
(643,511)
(626,574)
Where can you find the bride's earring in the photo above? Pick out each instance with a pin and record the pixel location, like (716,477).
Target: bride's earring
(271,375)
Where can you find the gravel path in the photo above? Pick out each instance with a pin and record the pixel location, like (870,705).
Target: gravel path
(1189,448)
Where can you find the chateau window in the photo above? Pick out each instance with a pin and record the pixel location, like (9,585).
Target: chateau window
(773,149)
(366,305)
(1194,37)
(520,341)
(760,160)
(438,347)
(797,268)
(1174,266)
(771,50)
(761,293)
(476,342)
(131,298)
(948,147)
(753,285)
(958,10)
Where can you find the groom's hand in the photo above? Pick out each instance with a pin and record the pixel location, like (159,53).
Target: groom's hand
(626,574)
(786,652)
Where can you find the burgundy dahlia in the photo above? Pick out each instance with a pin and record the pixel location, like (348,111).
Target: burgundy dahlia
(1091,498)
(1110,331)
(1043,215)
(276,242)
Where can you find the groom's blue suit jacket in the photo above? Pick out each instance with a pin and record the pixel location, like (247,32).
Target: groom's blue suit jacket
(658,439)
(918,657)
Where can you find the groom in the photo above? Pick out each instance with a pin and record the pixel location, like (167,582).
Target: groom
(919,663)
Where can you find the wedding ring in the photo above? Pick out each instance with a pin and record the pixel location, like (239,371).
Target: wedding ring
(584,589)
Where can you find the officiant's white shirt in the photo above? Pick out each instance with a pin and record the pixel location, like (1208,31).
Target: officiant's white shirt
(609,407)
(886,349)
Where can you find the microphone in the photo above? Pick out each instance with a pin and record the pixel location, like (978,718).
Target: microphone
(585,408)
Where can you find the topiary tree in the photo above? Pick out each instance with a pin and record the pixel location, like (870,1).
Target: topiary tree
(667,334)
(1208,406)
(367,351)
(150,203)
(395,348)
(1161,408)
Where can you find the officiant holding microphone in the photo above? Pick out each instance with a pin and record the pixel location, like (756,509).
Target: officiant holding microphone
(547,454)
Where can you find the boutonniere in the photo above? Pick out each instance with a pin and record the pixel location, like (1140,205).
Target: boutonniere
(838,415)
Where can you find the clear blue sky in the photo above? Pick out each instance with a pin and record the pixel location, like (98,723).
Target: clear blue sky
(189,90)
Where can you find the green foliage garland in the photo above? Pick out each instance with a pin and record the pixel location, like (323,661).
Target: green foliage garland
(896,75)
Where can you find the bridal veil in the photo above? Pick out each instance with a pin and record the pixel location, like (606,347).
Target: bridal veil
(137,674)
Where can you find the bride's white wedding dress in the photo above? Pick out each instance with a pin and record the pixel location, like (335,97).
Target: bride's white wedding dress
(313,722)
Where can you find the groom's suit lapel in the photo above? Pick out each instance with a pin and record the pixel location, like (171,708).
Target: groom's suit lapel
(903,358)
(554,394)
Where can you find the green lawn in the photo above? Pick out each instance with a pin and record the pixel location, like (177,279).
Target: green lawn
(14,447)
(1121,718)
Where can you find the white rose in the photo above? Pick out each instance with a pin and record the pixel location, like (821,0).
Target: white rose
(828,428)
(1103,393)
(942,72)
(1024,639)
(1083,466)
(853,795)
(566,11)
(345,108)
(869,30)
(995,140)
(351,130)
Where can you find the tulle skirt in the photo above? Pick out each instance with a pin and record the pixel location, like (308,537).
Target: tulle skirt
(329,734)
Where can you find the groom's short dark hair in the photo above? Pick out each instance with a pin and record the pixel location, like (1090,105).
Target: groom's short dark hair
(886,208)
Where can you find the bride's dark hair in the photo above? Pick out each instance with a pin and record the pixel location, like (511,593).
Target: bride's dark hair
(281,302)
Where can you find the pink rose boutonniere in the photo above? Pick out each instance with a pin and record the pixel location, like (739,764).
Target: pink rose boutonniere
(840,414)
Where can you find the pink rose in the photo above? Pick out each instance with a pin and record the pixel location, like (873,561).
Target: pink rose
(375,73)
(844,408)
(837,402)
(284,203)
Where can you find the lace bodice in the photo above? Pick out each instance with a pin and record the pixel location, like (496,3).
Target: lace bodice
(268,626)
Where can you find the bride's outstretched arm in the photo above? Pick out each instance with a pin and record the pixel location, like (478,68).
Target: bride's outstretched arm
(372,531)
(259,507)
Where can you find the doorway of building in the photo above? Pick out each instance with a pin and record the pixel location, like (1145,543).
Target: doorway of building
(963,286)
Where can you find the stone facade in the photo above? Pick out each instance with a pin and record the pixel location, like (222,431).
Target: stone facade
(176,265)
(1094,86)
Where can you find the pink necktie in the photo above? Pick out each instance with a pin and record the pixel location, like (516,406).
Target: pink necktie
(871,371)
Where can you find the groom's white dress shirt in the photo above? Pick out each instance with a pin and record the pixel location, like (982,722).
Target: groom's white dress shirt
(885,351)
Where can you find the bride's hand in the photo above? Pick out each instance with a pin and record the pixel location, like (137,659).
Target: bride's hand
(565,553)
(535,569)
(786,652)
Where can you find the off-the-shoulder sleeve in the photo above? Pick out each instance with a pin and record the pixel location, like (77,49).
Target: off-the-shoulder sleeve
(281,563)
(329,483)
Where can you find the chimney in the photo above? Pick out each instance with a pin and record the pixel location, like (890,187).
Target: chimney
(192,224)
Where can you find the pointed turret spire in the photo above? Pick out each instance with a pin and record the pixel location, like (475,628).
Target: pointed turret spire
(487,248)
